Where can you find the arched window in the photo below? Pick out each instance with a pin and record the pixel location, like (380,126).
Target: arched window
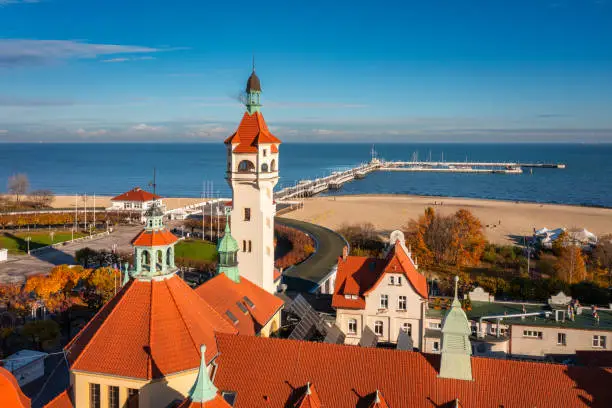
(246,166)
(169,256)
(378,328)
(273,165)
(264,168)
(146,258)
(160,257)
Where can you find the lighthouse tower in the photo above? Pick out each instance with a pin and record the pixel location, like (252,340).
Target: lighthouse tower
(252,173)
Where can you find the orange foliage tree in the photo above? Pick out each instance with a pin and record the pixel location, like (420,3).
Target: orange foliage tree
(467,239)
(570,265)
(102,284)
(55,290)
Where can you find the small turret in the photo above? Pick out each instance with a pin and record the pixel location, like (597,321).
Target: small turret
(228,252)
(456,348)
(253,92)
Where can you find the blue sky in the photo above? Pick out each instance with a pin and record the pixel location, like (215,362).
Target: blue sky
(435,70)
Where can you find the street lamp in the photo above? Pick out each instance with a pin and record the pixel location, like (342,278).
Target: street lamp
(52,234)
(28,239)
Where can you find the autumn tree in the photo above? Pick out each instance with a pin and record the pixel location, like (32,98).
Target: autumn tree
(102,284)
(417,234)
(602,255)
(41,332)
(468,240)
(18,185)
(42,198)
(570,265)
(56,289)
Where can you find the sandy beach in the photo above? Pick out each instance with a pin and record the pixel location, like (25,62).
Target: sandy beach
(500,218)
(104,201)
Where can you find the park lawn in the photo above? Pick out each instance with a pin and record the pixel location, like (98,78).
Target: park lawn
(16,244)
(196,249)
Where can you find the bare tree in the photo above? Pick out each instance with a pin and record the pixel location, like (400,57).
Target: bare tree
(18,185)
(42,198)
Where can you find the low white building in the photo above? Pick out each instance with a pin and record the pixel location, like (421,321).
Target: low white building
(3,254)
(26,365)
(136,200)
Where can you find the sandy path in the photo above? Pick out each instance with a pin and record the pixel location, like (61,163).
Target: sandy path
(391,212)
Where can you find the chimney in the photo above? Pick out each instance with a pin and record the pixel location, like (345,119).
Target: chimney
(345,252)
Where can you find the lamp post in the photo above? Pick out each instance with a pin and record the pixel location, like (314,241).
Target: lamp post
(28,239)
(52,234)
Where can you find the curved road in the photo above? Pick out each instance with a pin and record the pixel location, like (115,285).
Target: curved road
(307,276)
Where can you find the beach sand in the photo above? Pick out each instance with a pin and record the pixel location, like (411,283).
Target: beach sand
(390,212)
(104,201)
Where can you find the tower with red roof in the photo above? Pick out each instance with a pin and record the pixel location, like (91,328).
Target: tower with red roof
(252,173)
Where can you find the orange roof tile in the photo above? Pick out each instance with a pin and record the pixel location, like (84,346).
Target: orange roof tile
(63,400)
(136,194)
(309,398)
(251,132)
(274,149)
(11,395)
(348,376)
(224,295)
(154,238)
(218,402)
(148,330)
(359,275)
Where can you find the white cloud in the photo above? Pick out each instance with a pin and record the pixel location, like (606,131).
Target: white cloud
(34,52)
(327,132)
(146,128)
(83,132)
(210,130)
(3,131)
(147,57)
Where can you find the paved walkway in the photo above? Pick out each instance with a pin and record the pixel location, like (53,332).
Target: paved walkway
(309,274)
(19,267)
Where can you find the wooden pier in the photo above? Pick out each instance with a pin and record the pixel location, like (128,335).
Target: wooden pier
(335,181)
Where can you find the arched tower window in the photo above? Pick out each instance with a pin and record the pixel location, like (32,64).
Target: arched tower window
(160,257)
(169,256)
(273,165)
(146,260)
(246,166)
(264,167)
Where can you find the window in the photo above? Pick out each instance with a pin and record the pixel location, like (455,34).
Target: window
(264,168)
(132,401)
(250,246)
(352,326)
(231,316)
(407,328)
(384,301)
(138,205)
(94,395)
(378,328)
(127,205)
(401,303)
(354,297)
(246,166)
(265,152)
(532,333)
(244,247)
(247,214)
(113,397)
(229,397)
(435,325)
(599,341)
(436,346)
(561,339)
(399,281)
(391,280)
(242,307)
(347,296)
(249,302)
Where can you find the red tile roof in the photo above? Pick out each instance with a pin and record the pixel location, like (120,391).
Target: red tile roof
(148,330)
(378,401)
(358,276)
(309,398)
(11,395)
(154,238)
(347,376)
(218,402)
(251,132)
(223,294)
(63,400)
(136,194)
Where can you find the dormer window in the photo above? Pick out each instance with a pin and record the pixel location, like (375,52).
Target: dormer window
(391,280)
(399,281)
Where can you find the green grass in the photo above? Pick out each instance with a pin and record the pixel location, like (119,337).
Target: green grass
(196,249)
(16,243)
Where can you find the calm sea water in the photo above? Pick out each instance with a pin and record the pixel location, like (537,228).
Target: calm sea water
(189,169)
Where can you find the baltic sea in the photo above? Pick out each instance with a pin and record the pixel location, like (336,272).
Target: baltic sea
(188,170)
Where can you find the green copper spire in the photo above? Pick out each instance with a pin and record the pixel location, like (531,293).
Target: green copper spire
(456,348)
(203,390)
(228,253)
(253,92)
